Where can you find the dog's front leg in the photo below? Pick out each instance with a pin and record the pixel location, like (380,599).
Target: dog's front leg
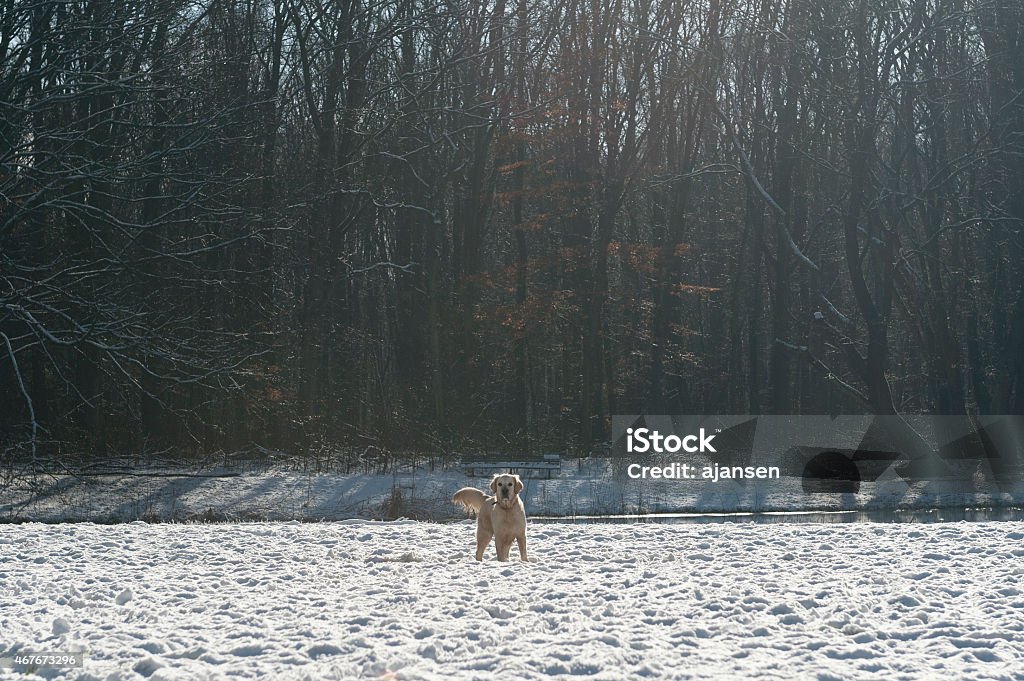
(503,548)
(521,541)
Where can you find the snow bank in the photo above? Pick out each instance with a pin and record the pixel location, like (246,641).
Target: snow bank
(593,486)
(406,601)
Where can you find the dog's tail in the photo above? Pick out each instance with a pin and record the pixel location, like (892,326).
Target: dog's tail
(470,498)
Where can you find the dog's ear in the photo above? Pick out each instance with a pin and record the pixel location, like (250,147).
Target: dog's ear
(494,484)
(519,484)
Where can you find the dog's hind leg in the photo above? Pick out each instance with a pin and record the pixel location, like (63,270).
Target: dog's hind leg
(483,538)
(521,540)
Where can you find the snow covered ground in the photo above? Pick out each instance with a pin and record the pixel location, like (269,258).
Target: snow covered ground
(404,600)
(592,486)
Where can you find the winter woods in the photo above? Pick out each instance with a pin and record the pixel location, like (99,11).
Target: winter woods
(417,224)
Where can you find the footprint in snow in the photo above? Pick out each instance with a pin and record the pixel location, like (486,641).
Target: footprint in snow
(497,612)
(323,650)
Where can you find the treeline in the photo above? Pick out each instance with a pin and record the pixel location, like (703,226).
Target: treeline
(453,223)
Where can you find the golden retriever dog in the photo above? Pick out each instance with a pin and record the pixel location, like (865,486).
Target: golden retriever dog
(501,516)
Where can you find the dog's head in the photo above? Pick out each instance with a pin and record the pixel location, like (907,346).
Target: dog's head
(505,488)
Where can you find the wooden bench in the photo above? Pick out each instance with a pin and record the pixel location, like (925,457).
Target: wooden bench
(533,467)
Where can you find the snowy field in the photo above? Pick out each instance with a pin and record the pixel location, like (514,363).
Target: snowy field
(404,600)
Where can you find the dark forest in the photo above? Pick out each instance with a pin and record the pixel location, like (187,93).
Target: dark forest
(445,224)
